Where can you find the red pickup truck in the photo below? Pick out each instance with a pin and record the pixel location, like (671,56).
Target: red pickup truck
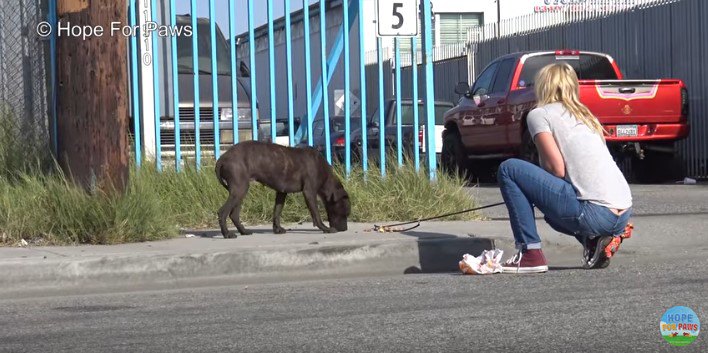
(643,118)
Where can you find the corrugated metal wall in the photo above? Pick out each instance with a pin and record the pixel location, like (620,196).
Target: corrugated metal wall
(372,84)
(444,72)
(447,74)
(669,41)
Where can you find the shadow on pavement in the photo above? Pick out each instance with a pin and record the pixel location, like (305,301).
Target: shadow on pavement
(217,233)
(440,252)
(564,268)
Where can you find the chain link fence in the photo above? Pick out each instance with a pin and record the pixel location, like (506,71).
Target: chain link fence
(24,72)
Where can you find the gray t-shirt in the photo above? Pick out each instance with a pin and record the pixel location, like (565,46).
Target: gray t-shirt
(588,163)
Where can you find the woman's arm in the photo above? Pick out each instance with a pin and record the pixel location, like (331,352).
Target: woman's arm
(550,156)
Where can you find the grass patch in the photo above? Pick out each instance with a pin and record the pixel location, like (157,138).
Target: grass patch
(40,205)
(51,210)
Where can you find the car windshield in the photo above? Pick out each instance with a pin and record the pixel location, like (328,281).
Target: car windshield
(587,67)
(184,50)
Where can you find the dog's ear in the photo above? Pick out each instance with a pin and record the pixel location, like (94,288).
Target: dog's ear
(338,194)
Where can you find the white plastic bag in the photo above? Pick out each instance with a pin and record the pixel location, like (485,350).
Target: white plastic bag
(489,262)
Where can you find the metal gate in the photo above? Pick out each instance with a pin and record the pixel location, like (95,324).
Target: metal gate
(299,80)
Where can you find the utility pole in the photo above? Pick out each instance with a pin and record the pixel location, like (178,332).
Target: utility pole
(92,95)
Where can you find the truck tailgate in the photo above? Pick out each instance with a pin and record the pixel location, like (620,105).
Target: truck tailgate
(633,101)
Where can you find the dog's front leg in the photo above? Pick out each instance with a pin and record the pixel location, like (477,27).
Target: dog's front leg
(277,211)
(311,202)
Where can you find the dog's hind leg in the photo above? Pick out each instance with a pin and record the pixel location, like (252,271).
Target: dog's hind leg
(239,193)
(224,212)
(278,209)
(311,202)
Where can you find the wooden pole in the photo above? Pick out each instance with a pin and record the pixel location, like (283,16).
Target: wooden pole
(93,95)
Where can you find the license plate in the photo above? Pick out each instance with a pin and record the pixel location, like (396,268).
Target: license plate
(626,130)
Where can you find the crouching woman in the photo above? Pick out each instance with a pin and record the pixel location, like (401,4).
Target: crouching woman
(578,186)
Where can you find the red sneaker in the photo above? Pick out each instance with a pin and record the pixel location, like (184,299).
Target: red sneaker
(614,245)
(526,261)
(598,251)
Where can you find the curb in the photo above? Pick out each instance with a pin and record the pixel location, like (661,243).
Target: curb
(392,257)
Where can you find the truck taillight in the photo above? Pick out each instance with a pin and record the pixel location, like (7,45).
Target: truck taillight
(684,102)
(421,132)
(339,142)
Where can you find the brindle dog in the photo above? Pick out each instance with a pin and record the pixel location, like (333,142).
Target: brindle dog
(286,170)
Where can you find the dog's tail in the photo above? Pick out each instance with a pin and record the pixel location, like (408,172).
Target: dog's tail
(218,175)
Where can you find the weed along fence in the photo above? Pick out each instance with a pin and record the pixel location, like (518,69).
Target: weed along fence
(218,79)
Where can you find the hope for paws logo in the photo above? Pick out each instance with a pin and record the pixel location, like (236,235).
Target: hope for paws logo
(680,326)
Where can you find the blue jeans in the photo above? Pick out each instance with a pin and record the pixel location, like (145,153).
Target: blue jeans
(525,185)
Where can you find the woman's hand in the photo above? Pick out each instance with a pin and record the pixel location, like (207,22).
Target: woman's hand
(550,156)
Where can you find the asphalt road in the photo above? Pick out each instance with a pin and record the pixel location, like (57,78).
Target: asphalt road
(565,310)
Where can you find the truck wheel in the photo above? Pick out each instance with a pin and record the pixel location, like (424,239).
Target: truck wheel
(656,167)
(528,152)
(452,157)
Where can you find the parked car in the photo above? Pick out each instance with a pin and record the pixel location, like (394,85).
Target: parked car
(440,109)
(408,131)
(337,127)
(643,118)
(206,107)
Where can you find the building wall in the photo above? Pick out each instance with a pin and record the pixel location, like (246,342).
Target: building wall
(509,9)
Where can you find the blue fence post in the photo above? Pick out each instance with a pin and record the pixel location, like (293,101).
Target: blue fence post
(271,68)
(52,18)
(429,89)
(347,88)
(214,79)
(382,122)
(362,89)
(325,93)
(134,76)
(195,80)
(234,75)
(416,123)
(156,88)
(308,79)
(399,139)
(175,88)
(252,61)
(289,69)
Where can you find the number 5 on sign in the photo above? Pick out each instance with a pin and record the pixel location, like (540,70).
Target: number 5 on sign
(397,18)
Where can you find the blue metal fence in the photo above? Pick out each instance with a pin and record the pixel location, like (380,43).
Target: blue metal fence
(177,115)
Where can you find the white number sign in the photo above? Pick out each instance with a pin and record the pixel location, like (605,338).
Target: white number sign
(397,18)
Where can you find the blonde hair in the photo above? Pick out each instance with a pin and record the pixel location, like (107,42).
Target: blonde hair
(558,83)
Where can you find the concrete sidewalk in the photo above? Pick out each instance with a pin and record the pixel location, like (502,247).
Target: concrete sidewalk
(306,253)
(302,252)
